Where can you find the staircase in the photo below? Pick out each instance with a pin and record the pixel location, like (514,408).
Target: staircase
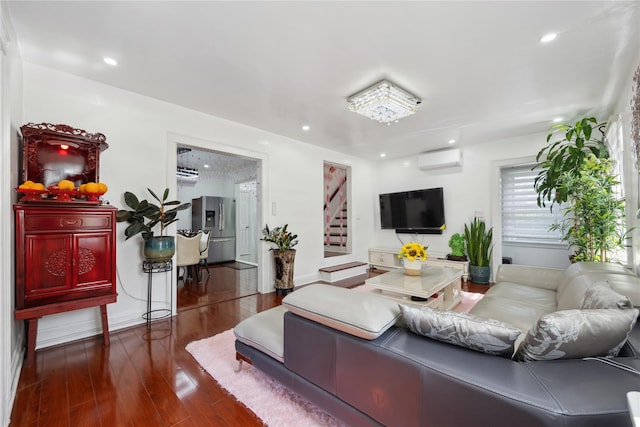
(335,217)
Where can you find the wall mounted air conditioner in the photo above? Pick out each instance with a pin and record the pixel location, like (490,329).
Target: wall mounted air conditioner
(440,159)
(186,174)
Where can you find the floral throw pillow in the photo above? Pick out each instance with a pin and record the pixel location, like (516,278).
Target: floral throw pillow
(601,295)
(462,329)
(574,334)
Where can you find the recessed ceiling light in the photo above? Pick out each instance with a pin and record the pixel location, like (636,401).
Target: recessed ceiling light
(383,155)
(548,37)
(110,61)
(206,166)
(557,120)
(306,127)
(452,141)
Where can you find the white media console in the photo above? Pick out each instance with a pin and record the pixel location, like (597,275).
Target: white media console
(387,258)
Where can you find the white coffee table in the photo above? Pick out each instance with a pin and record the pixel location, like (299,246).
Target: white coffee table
(441,281)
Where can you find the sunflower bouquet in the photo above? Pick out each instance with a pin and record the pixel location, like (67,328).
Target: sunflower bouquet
(413,251)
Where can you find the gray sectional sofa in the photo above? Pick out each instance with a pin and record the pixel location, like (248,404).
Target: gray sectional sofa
(353,353)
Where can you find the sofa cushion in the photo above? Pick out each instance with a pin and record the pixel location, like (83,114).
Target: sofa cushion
(462,329)
(601,295)
(544,298)
(626,285)
(361,314)
(520,314)
(581,276)
(264,331)
(572,334)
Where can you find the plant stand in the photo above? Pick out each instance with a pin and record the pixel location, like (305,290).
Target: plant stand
(284,261)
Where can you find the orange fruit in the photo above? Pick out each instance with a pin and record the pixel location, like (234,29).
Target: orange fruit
(65,184)
(26,185)
(83,188)
(102,187)
(38,186)
(91,187)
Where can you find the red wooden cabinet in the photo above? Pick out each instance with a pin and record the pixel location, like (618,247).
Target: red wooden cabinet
(63,253)
(65,260)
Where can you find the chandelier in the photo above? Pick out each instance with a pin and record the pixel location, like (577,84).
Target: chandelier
(384,102)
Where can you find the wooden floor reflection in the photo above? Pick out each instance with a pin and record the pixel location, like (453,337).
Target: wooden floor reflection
(218,283)
(146,377)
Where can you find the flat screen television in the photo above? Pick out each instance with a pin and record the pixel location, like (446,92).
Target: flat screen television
(415,212)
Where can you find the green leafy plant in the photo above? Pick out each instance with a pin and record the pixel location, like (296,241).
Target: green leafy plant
(593,223)
(566,156)
(478,243)
(144,216)
(279,236)
(456,243)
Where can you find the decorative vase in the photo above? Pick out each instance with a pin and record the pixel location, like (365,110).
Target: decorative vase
(412,268)
(480,274)
(159,248)
(284,261)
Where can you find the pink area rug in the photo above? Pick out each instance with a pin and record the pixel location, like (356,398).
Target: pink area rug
(469,299)
(273,403)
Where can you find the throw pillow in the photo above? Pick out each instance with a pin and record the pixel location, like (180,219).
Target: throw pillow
(462,329)
(601,295)
(573,334)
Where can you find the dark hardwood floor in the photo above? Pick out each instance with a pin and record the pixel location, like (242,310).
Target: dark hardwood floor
(146,377)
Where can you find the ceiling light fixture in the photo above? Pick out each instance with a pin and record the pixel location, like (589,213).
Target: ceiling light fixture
(557,120)
(383,155)
(452,141)
(384,102)
(110,61)
(548,37)
(306,128)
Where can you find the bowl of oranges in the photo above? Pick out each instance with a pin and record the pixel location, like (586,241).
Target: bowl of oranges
(93,190)
(64,191)
(32,191)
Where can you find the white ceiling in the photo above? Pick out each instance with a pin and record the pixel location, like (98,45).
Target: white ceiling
(478,66)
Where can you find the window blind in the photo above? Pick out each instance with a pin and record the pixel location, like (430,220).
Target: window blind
(523,221)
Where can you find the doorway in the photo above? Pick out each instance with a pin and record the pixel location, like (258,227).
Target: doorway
(208,175)
(336,209)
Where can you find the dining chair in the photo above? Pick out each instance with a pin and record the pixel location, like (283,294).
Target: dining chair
(204,250)
(187,253)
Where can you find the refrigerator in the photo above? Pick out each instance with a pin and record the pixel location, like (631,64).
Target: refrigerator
(217,215)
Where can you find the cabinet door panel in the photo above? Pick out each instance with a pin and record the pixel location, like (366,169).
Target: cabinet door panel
(93,259)
(48,264)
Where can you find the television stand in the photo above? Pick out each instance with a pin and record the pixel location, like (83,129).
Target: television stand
(387,258)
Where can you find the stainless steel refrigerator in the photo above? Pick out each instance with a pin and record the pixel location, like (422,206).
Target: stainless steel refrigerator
(218,215)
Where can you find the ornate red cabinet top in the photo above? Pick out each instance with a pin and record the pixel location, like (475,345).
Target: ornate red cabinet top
(51,153)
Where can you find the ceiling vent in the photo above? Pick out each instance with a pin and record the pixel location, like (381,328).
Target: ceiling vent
(440,159)
(186,174)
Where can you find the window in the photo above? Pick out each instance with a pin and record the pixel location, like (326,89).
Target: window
(523,221)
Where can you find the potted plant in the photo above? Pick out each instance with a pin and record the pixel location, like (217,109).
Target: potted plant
(456,243)
(144,216)
(412,255)
(566,156)
(283,256)
(593,220)
(479,248)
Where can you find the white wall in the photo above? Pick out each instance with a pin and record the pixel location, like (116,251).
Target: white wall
(11,332)
(143,134)
(470,189)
